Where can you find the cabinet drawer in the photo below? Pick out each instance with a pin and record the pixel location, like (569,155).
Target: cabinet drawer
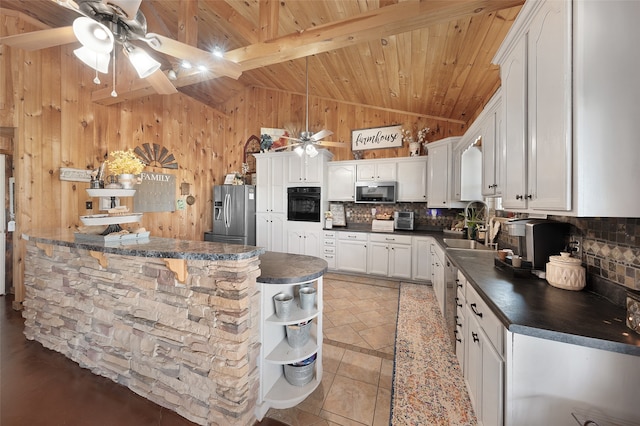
(329,242)
(329,250)
(390,238)
(487,320)
(461,283)
(329,234)
(353,236)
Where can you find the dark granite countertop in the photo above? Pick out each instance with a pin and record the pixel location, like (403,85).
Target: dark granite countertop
(533,307)
(154,247)
(287,268)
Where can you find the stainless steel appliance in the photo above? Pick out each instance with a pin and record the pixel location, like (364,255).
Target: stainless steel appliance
(303,204)
(376,192)
(234,215)
(403,220)
(539,239)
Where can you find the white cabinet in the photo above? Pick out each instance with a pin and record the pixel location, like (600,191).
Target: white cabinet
(484,359)
(491,132)
(460,318)
(421,258)
(304,238)
(329,248)
(341,179)
(306,170)
(412,179)
(275,351)
(270,229)
(271,192)
(440,174)
(535,66)
(390,255)
(376,170)
(352,252)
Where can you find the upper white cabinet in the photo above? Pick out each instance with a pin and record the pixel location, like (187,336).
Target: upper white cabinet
(440,174)
(341,179)
(376,170)
(569,119)
(491,132)
(304,170)
(412,179)
(271,191)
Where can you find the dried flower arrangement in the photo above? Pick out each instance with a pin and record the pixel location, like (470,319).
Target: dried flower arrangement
(124,162)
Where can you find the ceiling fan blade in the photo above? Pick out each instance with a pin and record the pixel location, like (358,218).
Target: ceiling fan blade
(290,138)
(329,143)
(321,134)
(42,39)
(169,46)
(161,83)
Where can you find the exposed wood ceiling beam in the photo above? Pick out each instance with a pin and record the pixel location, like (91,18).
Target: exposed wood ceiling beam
(188,22)
(245,28)
(269,19)
(389,20)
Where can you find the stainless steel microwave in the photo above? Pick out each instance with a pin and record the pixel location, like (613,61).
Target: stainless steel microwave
(376,192)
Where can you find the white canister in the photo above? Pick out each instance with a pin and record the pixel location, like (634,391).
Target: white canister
(566,272)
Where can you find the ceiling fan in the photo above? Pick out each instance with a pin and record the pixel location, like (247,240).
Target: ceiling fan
(107,22)
(307,141)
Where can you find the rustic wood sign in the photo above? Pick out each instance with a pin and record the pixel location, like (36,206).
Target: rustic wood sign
(376,138)
(155,193)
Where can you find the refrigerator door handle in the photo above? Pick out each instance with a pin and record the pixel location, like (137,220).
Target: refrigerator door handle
(227,202)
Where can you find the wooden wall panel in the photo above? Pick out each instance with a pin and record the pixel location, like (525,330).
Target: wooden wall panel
(261,107)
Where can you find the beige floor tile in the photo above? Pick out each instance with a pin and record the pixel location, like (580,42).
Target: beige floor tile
(336,420)
(346,334)
(373,318)
(359,366)
(313,403)
(297,417)
(340,303)
(351,399)
(382,413)
(379,337)
(331,357)
(341,317)
(386,375)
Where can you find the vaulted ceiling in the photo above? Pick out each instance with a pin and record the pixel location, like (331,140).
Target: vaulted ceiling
(429,57)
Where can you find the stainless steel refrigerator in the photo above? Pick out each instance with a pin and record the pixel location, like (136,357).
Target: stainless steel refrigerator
(234,215)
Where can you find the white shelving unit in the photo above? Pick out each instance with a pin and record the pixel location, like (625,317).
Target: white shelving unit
(275,352)
(106,219)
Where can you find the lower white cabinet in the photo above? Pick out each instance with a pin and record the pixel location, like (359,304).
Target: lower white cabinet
(270,231)
(421,258)
(390,255)
(484,359)
(275,351)
(303,238)
(352,252)
(438,275)
(460,331)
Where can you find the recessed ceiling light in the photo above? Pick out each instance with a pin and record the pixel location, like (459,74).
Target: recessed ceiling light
(186,65)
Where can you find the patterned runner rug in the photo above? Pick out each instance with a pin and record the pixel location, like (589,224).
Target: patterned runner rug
(428,387)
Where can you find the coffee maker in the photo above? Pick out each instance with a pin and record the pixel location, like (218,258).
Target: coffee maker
(538,239)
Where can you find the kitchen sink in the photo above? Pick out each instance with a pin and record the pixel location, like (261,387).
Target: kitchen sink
(465,244)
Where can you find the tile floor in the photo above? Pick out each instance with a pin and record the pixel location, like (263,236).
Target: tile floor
(359,334)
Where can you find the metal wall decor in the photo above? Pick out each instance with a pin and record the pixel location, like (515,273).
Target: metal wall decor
(156,156)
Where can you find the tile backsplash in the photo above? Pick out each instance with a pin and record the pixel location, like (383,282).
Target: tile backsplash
(424,217)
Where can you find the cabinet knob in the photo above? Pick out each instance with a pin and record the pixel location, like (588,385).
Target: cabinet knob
(457,339)
(519,197)
(529,196)
(475,337)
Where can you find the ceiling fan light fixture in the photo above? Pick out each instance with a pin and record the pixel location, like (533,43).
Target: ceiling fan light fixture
(299,150)
(186,65)
(311,150)
(144,64)
(93,35)
(97,61)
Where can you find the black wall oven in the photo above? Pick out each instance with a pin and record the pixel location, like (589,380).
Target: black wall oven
(303,204)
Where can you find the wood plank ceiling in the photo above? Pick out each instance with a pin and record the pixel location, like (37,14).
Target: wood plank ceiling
(429,57)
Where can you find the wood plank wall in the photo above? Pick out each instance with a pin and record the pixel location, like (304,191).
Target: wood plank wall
(46,99)
(262,107)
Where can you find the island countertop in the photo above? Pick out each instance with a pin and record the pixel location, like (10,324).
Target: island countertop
(152,247)
(287,268)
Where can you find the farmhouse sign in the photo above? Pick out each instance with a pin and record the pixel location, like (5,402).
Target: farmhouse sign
(377,137)
(155,193)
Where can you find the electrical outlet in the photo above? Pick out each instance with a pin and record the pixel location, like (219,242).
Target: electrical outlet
(575,245)
(88,205)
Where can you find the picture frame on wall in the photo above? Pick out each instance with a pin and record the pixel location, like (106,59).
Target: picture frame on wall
(278,135)
(376,138)
(337,212)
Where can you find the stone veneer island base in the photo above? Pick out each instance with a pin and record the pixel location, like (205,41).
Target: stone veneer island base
(177,322)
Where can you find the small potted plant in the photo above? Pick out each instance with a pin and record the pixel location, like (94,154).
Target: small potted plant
(328,220)
(125,165)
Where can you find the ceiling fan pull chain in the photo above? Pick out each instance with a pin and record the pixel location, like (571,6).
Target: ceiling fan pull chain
(96,80)
(113,92)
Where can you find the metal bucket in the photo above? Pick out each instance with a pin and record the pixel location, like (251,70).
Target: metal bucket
(300,373)
(284,303)
(298,334)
